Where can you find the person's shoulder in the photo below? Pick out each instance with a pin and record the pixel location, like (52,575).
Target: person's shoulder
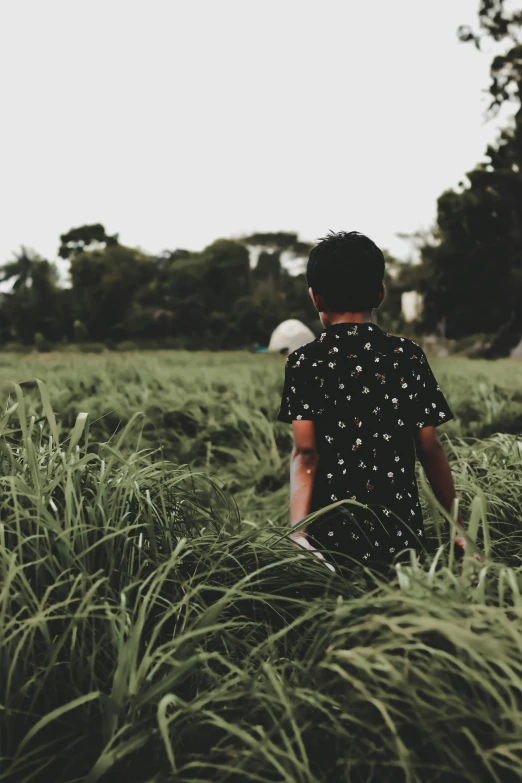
(305,353)
(405,345)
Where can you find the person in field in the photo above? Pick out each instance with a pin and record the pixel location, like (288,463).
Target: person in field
(361,403)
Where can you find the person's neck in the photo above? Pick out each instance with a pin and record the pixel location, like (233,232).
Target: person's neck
(348,318)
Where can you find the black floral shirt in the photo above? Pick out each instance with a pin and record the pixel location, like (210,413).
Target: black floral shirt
(367,391)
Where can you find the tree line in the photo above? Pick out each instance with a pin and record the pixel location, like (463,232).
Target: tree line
(471,261)
(216,298)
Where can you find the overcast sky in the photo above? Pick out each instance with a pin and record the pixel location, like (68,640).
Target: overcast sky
(175,122)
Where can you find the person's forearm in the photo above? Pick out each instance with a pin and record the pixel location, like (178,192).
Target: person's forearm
(302,476)
(438,473)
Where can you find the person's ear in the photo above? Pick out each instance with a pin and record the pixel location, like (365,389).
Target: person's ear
(317,300)
(382,296)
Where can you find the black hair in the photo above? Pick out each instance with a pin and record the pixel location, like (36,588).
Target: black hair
(347,269)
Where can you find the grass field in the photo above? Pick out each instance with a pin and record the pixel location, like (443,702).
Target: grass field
(156,624)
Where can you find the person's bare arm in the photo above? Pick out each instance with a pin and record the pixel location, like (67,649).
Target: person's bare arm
(432,457)
(303,466)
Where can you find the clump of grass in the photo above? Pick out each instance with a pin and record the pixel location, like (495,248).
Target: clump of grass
(217,412)
(148,633)
(488,480)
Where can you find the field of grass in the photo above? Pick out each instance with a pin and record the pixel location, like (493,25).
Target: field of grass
(156,624)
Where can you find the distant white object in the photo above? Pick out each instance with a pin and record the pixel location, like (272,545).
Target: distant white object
(289,336)
(516,352)
(411,305)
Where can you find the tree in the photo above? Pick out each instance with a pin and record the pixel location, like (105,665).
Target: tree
(506,69)
(105,284)
(472,270)
(77,240)
(31,306)
(272,282)
(21,269)
(226,273)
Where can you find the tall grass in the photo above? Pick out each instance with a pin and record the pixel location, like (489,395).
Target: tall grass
(153,628)
(149,633)
(216,412)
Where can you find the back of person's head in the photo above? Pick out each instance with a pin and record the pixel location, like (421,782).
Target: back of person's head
(347,269)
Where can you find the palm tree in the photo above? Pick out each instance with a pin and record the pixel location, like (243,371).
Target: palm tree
(29,270)
(20,269)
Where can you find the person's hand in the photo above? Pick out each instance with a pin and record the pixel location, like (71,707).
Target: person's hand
(460,548)
(301,539)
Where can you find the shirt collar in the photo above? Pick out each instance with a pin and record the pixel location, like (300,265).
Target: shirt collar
(353,326)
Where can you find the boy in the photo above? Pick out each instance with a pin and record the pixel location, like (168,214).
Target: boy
(361,402)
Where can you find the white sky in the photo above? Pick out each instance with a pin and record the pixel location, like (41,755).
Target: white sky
(176,122)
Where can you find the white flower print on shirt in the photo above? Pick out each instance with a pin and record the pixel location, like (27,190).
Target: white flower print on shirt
(312,391)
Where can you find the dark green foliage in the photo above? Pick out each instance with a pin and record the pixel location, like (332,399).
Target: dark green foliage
(77,240)
(92,347)
(127,345)
(41,343)
(80,331)
(471,272)
(181,299)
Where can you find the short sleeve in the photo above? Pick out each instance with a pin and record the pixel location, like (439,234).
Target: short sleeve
(299,398)
(429,405)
